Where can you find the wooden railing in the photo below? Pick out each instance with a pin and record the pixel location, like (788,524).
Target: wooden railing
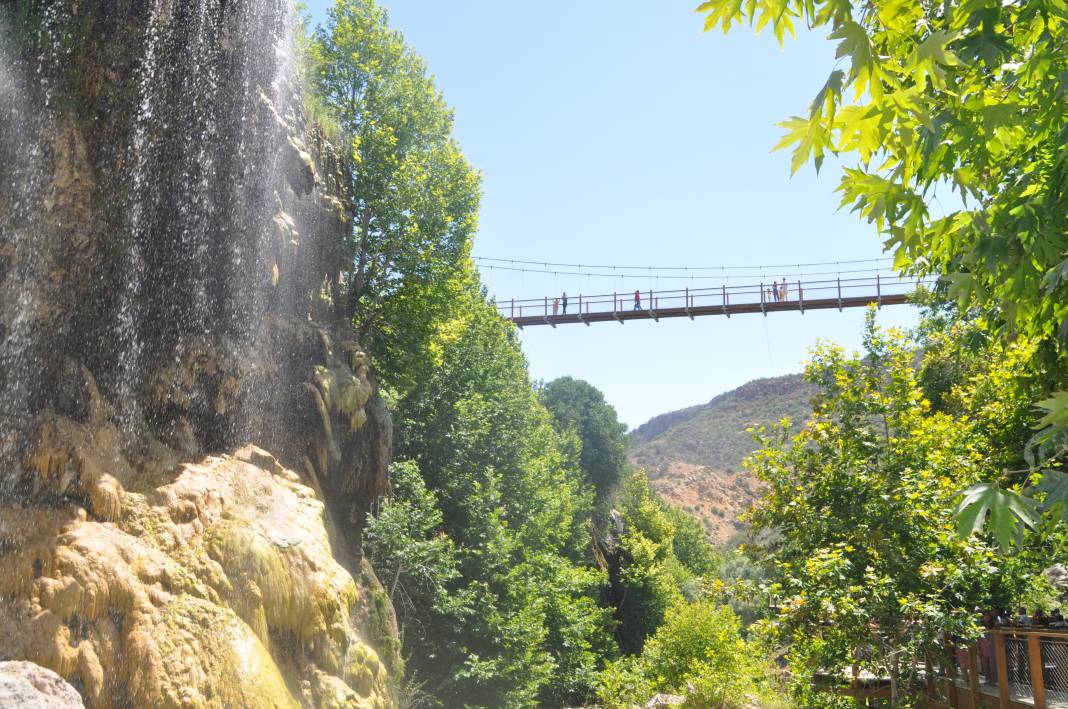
(1008,668)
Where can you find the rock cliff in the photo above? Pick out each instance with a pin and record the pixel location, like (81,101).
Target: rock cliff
(190,434)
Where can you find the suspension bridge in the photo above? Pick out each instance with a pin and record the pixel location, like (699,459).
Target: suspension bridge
(800,295)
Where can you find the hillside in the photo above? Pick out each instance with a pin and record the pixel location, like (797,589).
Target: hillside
(694,455)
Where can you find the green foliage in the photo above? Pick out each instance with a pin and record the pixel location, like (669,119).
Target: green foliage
(644,584)
(863,502)
(580,407)
(662,555)
(517,511)
(689,543)
(1004,510)
(740,583)
(417,563)
(698,652)
(416,197)
(965,97)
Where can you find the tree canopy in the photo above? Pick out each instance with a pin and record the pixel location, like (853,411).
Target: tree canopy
(956,118)
(863,501)
(416,197)
(580,407)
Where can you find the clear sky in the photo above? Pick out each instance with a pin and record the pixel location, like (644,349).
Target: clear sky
(616,132)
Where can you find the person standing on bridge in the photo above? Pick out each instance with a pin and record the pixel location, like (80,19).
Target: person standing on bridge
(785,290)
(556,305)
(637,300)
(563,300)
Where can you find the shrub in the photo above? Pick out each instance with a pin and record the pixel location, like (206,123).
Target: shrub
(699,652)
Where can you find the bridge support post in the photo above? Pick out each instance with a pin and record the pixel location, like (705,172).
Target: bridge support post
(878,291)
(839,294)
(1002,671)
(800,298)
(973,677)
(763,307)
(688,303)
(726,301)
(513,308)
(1034,659)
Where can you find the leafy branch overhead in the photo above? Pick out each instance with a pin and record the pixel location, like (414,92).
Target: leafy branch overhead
(1007,511)
(956,116)
(964,97)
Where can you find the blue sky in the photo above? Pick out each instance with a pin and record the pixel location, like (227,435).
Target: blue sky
(619,133)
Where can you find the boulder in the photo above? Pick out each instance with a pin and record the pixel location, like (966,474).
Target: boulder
(1057,575)
(29,686)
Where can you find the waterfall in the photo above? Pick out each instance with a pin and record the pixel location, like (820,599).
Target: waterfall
(200,193)
(23,255)
(138,209)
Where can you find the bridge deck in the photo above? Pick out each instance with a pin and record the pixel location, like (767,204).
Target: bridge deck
(774,297)
(622,316)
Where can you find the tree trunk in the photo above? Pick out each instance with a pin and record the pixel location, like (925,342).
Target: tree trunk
(359,275)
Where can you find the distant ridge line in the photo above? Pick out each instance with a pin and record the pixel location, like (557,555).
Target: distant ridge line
(662,422)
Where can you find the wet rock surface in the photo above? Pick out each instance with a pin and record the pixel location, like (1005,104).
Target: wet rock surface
(216,586)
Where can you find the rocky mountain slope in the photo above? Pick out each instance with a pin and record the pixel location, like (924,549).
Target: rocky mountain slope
(694,456)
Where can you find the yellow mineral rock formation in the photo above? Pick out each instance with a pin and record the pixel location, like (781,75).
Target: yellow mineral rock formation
(213,585)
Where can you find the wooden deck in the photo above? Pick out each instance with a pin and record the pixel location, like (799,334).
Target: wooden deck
(622,316)
(764,298)
(1028,669)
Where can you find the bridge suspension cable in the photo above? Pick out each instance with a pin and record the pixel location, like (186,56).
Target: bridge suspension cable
(778,270)
(722,267)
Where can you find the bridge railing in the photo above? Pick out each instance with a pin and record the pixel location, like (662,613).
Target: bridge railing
(1008,667)
(771,293)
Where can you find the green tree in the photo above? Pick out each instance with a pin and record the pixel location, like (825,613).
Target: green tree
(699,652)
(690,543)
(863,502)
(964,96)
(415,196)
(646,575)
(580,407)
(518,513)
(417,562)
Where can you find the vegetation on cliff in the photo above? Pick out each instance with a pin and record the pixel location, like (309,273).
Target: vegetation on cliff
(415,198)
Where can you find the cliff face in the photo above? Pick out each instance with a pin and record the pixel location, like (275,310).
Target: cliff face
(190,435)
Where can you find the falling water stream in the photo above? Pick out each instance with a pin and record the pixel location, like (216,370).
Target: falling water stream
(22,256)
(183,199)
